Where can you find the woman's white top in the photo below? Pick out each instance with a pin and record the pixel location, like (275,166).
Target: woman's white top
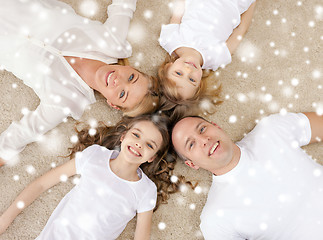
(34,37)
(101,204)
(205,27)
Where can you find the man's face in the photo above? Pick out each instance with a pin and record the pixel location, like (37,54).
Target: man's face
(204,144)
(122,86)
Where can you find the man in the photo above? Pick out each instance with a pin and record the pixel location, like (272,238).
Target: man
(264,186)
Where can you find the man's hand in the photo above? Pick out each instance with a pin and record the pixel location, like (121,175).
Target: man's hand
(1,162)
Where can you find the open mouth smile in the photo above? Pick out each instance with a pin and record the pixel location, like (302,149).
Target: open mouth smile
(133,151)
(214,148)
(108,77)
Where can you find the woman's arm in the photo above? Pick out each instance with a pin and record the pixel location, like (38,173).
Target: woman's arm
(143,225)
(33,190)
(178,10)
(237,34)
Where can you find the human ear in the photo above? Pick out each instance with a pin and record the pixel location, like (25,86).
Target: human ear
(112,105)
(152,159)
(191,164)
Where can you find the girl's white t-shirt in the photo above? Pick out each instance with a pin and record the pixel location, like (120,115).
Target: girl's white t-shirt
(205,27)
(101,204)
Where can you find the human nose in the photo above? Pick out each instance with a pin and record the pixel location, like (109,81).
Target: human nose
(203,140)
(138,144)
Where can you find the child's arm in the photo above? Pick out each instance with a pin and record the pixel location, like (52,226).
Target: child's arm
(143,225)
(33,190)
(237,34)
(178,10)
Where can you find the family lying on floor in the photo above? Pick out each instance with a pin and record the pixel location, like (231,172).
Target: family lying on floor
(263,186)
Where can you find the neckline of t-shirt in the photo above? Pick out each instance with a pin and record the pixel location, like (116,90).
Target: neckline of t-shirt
(234,172)
(139,172)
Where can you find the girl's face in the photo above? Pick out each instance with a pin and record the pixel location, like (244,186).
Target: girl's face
(187,74)
(122,86)
(141,143)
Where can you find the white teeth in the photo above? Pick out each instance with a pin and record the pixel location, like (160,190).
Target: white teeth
(214,147)
(134,151)
(108,79)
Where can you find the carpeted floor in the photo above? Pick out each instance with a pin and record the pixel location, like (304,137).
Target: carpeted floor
(277,67)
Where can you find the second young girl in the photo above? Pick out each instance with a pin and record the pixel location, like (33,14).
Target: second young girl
(201,35)
(112,189)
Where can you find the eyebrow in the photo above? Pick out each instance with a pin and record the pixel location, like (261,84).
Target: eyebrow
(150,139)
(196,128)
(128,91)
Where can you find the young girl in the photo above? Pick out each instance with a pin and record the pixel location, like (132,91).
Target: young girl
(112,188)
(63,57)
(202,37)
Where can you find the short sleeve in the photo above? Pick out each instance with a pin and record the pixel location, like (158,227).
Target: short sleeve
(293,127)
(82,158)
(169,37)
(148,200)
(215,55)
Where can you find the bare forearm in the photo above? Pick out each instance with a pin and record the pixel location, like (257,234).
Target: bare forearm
(24,199)
(237,34)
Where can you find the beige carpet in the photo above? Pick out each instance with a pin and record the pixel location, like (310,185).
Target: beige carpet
(278,66)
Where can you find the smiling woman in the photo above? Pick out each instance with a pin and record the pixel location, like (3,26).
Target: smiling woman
(64,61)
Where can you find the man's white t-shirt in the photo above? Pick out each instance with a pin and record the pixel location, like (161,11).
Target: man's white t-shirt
(205,26)
(101,204)
(275,191)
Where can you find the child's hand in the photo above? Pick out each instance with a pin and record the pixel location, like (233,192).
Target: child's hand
(3,225)
(178,9)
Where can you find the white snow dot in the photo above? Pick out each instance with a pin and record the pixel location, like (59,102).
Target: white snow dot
(198,190)
(295,82)
(161,226)
(232,119)
(283,111)
(293,34)
(220,213)
(275,12)
(14,85)
(258,68)
(92,131)
(245,75)
(183,188)
(148,14)
(263,226)
(30,169)
(53,165)
(272,44)
(268,22)
(284,20)
(317,172)
(63,178)
(299,3)
(20,204)
(76,180)
(16,177)
(316,74)
(268,97)
(24,111)
(295,144)
(173,178)
(192,206)
(74,139)
(305,49)
(276,52)
(88,8)
(311,24)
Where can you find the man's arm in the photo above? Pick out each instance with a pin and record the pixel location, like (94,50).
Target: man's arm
(237,34)
(316,123)
(33,190)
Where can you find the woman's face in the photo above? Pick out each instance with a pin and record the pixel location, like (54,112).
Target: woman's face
(122,86)
(141,143)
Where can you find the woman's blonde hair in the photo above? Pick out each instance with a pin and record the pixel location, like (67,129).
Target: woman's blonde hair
(159,170)
(206,90)
(150,102)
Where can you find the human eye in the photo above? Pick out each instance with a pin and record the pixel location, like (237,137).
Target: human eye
(150,146)
(131,77)
(136,135)
(191,145)
(178,73)
(192,80)
(202,129)
(122,94)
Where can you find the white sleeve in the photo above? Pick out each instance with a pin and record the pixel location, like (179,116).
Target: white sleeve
(215,56)
(148,201)
(293,127)
(169,38)
(34,124)
(120,12)
(82,158)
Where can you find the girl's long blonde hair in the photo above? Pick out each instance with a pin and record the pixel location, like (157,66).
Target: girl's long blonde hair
(159,171)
